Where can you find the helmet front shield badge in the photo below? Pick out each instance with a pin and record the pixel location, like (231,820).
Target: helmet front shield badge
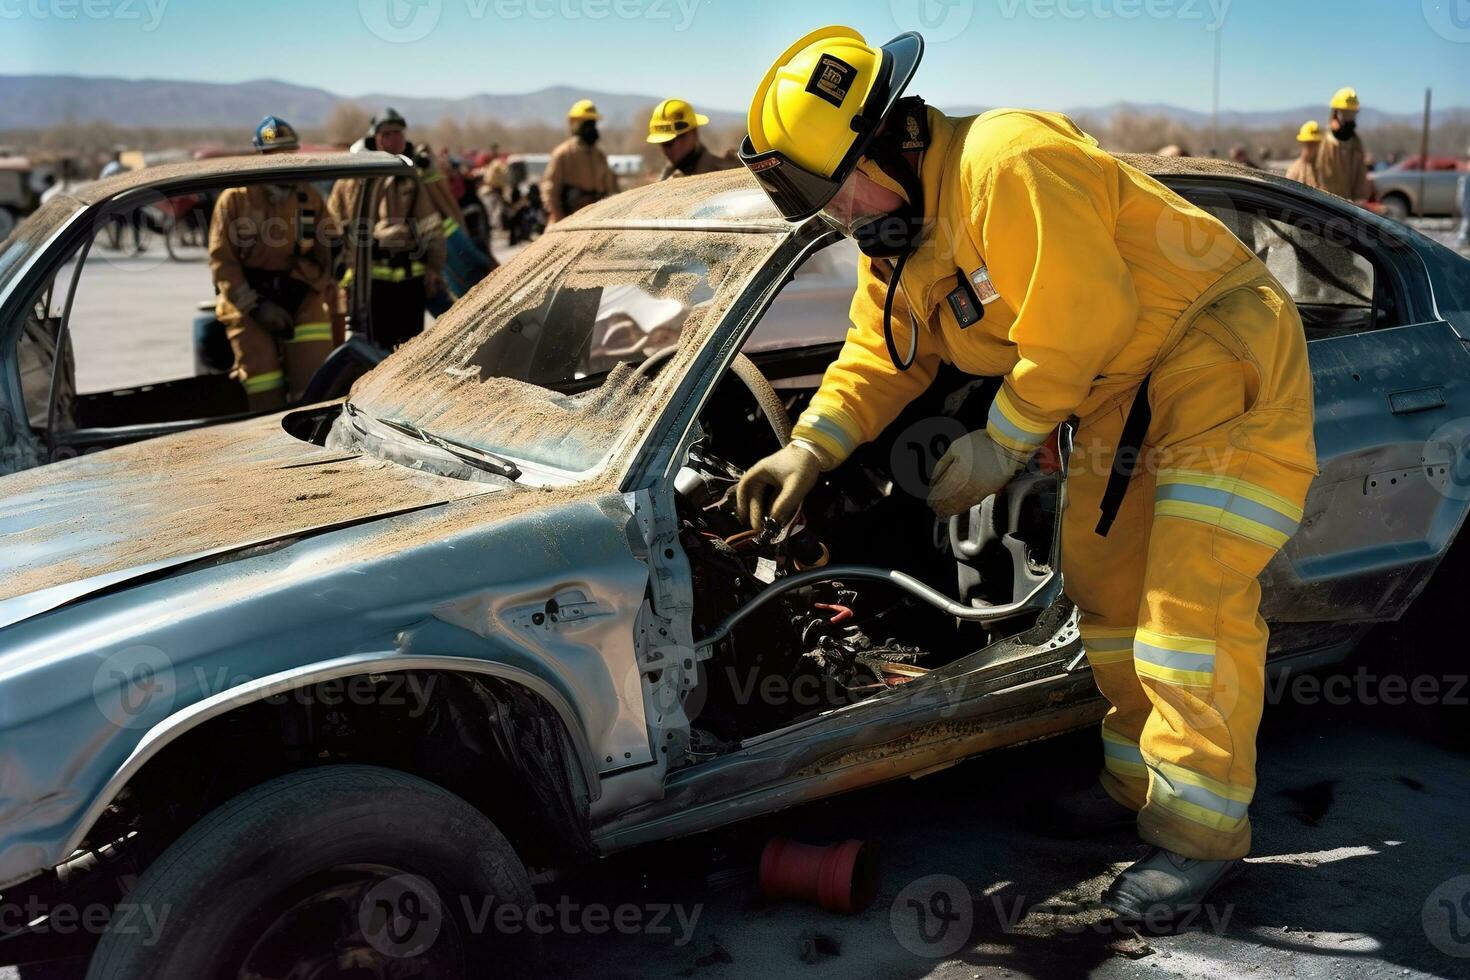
(797,192)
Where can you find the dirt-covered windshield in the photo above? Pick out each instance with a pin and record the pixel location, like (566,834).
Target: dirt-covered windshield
(541,361)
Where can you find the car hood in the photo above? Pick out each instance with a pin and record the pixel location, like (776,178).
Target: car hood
(81,525)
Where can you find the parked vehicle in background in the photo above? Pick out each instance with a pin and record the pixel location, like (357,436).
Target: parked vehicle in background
(1407,188)
(626,165)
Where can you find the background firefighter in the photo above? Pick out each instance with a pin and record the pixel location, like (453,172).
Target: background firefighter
(408,249)
(674,128)
(578,173)
(271,265)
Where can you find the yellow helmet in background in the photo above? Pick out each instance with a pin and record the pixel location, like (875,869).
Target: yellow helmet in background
(1310,132)
(1345,98)
(673,118)
(582,110)
(817,108)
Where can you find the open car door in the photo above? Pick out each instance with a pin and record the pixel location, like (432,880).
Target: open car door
(52,405)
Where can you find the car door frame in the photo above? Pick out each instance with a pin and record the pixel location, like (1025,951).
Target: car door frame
(1302,588)
(71,240)
(1015,689)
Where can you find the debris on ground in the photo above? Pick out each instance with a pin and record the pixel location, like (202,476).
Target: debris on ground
(815,946)
(1132,946)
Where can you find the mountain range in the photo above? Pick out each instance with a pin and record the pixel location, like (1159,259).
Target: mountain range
(41,101)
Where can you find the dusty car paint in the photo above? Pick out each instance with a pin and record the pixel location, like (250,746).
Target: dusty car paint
(72,712)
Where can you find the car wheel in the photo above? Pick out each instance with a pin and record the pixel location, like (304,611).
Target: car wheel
(1396,206)
(339,870)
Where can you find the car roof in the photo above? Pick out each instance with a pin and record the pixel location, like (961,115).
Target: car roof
(244,167)
(731,199)
(219,171)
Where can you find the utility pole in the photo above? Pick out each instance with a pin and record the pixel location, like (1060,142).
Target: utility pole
(1424,150)
(1215,99)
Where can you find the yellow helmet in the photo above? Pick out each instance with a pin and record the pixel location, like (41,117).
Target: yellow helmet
(582,110)
(1310,132)
(818,108)
(673,118)
(1345,98)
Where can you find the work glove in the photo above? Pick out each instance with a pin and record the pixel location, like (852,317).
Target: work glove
(790,472)
(272,317)
(242,297)
(973,469)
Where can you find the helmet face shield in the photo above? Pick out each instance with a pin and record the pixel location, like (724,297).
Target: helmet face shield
(797,192)
(847,211)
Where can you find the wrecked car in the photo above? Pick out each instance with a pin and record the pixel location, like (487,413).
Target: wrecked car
(299,684)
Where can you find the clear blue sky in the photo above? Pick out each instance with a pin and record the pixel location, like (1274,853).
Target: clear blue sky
(1056,53)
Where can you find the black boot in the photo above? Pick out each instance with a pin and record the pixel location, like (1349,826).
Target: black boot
(1164,886)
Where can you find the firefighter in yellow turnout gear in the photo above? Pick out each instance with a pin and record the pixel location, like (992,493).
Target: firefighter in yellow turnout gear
(271,266)
(1010,245)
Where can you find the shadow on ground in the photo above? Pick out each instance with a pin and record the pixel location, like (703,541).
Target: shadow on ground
(1360,816)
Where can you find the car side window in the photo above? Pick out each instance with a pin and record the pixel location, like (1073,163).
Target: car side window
(812,308)
(1327,272)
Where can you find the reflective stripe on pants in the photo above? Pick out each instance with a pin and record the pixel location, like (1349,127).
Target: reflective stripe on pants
(1179,572)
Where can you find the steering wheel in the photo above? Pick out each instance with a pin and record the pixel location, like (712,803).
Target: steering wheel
(755,382)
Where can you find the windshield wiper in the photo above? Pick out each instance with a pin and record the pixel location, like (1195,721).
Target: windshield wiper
(473,455)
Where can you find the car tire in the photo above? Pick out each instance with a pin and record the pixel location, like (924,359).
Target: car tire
(1396,206)
(310,856)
